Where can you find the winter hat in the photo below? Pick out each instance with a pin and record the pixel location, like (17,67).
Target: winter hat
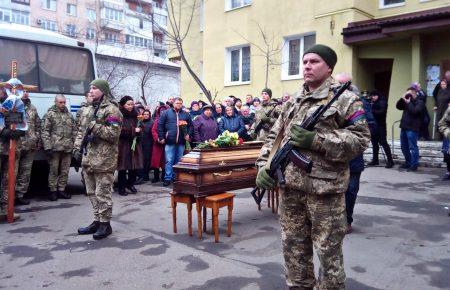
(325,52)
(205,107)
(161,104)
(103,86)
(124,100)
(268,91)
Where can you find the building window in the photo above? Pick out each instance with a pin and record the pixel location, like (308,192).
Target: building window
(237,65)
(49,4)
(91,15)
(20,17)
(71,30)
(233,4)
(90,33)
(138,41)
(111,37)
(5,15)
(391,3)
(159,3)
(160,20)
(113,14)
(26,2)
(48,25)
(292,54)
(71,9)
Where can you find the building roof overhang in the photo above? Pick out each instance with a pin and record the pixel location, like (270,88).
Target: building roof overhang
(380,28)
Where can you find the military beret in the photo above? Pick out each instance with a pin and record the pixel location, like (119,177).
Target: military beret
(325,52)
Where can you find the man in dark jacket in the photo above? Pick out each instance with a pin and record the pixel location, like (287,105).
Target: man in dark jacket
(205,126)
(378,136)
(412,108)
(356,167)
(174,129)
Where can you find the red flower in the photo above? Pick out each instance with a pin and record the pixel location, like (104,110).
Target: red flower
(241,141)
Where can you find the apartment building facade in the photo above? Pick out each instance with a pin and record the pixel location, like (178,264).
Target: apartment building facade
(384,44)
(128,32)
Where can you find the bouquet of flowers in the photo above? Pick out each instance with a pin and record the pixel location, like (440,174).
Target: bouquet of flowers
(182,124)
(139,123)
(226,139)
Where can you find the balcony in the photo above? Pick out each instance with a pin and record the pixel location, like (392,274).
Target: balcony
(159,46)
(113,25)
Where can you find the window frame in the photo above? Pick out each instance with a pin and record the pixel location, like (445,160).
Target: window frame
(22,15)
(90,32)
(285,56)
(68,12)
(227,76)
(47,24)
(5,12)
(229,4)
(69,32)
(382,5)
(91,12)
(44,6)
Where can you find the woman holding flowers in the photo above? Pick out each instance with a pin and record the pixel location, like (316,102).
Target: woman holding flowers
(130,149)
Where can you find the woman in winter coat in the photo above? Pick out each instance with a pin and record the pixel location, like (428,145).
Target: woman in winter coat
(130,156)
(205,126)
(158,159)
(231,122)
(147,144)
(218,112)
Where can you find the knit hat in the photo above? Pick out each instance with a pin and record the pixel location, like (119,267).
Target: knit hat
(125,99)
(206,107)
(325,52)
(268,91)
(103,86)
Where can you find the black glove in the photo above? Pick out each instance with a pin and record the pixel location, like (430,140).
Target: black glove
(16,134)
(5,133)
(76,154)
(49,153)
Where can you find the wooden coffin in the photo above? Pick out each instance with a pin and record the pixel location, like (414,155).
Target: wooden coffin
(204,172)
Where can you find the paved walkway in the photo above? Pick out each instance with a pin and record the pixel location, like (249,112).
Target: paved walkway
(401,241)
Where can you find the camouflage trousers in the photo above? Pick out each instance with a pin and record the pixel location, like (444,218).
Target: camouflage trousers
(309,220)
(4,181)
(24,172)
(59,170)
(99,190)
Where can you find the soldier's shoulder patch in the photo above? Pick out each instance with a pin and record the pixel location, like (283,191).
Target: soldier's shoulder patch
(113,120)
(357,114)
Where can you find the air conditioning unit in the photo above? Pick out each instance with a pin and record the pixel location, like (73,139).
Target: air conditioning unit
(39,21)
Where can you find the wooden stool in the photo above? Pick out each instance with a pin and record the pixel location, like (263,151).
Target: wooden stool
(182,198)
(215,202)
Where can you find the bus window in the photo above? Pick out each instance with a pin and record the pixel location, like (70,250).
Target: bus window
(64,70)
(25,54)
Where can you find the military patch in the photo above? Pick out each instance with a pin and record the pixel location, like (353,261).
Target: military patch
(113,121)
(356,116)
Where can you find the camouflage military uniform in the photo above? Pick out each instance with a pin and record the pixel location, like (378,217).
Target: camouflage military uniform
(29,146)
(271,110)
(57,135)
(444,124)
(101,160)
(82,114)
(312,210)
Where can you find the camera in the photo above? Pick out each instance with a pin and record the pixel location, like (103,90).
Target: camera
(408,96)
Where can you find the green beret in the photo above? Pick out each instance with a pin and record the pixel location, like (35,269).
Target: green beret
(102,85)
(325,52)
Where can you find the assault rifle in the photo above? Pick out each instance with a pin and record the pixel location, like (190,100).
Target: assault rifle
(87,135)
(288,153)
(261,123)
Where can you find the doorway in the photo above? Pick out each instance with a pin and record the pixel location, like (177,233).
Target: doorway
(375,74)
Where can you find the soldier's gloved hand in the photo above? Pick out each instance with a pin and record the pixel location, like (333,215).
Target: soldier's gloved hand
(49,153)
(76,154)
(301,138)
(16,134)
(265,119)
(263,180)
(5,133)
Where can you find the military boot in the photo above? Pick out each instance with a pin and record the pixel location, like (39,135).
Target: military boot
(64,195)
(21,201)
(53,195)
(132,189)
(90,229)
(122,191)
(103,231)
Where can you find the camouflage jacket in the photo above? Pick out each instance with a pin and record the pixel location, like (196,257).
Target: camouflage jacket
(32,135)
(103,150)
(82,114)
(444,124)
(342,134)
(271,110)
(58,130)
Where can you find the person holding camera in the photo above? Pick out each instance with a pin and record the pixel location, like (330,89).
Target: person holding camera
(410,124)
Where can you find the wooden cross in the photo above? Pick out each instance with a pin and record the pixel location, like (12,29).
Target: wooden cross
(13,144)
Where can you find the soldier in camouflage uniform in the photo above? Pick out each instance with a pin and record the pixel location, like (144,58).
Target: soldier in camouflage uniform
(312,211)
(101,160)
(57,135)
(5,136)
(28,148)
(444,128)
(265,117)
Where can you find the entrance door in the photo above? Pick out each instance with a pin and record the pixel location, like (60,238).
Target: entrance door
(382,82)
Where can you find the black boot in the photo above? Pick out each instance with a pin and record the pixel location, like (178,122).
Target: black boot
(122,191)
(64,195)
(132,188)
(53,195)
(103,231)
(373,163)
(390,161)
(90,229)
(21,201)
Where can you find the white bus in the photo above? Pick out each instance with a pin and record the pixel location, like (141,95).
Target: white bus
(56,64)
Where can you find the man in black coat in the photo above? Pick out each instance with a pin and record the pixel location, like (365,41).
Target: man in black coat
(412,108)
